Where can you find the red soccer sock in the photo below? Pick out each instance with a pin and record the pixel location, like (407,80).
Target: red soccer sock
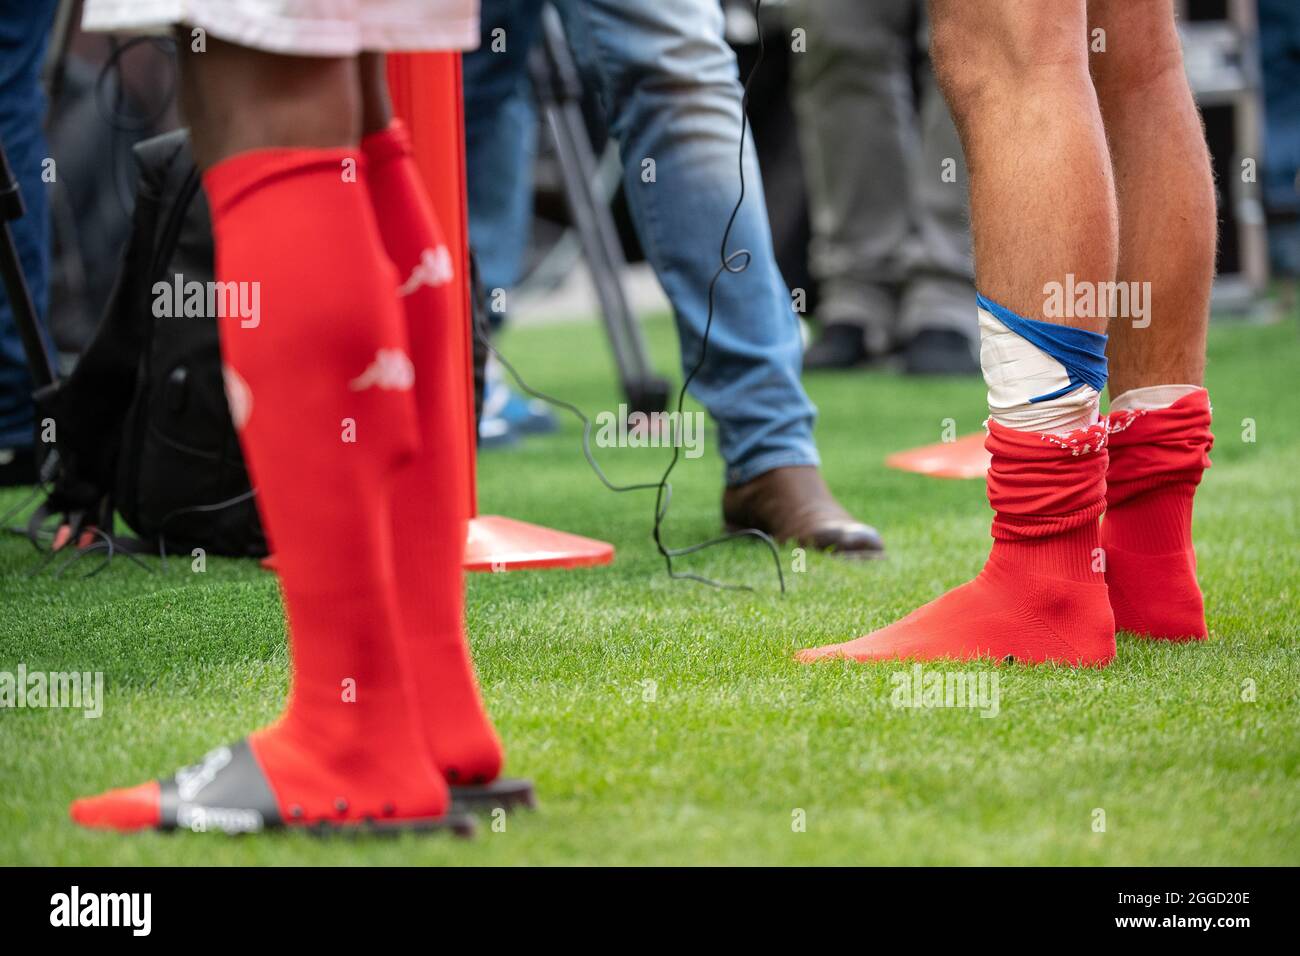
(1041,596)
(1157,457)
(431,493)
(321,392)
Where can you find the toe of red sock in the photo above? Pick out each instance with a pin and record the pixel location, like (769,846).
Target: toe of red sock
(128,808)
(995,617)
(810,654)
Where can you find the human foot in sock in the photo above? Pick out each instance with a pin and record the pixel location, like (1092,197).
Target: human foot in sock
(1040,597)
(428,529)
(1159,450)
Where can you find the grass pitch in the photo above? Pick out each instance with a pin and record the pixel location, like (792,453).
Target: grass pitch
(665,723)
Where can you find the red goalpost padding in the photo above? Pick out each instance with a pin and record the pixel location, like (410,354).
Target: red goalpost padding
(426,92)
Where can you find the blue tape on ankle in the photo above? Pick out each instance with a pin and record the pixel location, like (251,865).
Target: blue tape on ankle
(1082,353)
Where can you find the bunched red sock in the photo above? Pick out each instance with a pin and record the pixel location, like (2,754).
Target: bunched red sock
(320,390)
(1041,596)
(431,493)
(1157,458)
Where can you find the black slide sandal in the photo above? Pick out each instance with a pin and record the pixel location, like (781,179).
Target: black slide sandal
(228,792)
(506,794)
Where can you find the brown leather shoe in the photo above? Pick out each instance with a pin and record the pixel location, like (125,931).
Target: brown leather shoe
(794,504)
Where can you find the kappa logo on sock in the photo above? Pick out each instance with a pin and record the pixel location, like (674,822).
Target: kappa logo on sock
(1084,441)
(392,370)
(239,397)
(434,269)
(1121,421)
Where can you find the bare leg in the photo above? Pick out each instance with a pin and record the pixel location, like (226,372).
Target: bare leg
(376,108)
(1160,440)
(1015,74)
(1166,193)
(236,99)
(1043,209)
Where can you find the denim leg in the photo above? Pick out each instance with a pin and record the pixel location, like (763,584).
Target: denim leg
(24,31)
(671,93)
(501,139)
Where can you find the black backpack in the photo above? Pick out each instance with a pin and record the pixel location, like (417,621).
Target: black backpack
(141,426)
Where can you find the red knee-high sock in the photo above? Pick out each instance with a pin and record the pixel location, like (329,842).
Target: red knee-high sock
(431,495)
(321,392)
(1041,596)
(329,416)
(1157,458)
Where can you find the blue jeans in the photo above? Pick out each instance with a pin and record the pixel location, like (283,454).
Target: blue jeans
(671,93)
(24,31)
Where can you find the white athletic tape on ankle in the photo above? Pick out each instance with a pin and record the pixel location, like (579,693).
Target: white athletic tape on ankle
(1151,397)
(1040,376)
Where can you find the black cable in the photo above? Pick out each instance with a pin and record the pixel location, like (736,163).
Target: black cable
(37,490)
(734,263)
(113,114)
(106,542)
(106,546)
(195,509)
(116,117)
(50,558)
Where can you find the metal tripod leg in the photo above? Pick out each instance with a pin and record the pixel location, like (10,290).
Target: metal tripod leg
(559,89)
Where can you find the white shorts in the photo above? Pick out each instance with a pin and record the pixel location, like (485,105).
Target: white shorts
(301,27)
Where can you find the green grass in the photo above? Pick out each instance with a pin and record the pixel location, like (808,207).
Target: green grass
(737,737)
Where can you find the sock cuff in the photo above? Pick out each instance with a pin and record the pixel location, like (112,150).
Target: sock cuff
(1151,397)
(1186,419)
(1041,484)
(232,179)
(391,142)
(1157,447)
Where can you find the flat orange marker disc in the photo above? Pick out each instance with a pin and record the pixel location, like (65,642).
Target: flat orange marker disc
(964,458)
